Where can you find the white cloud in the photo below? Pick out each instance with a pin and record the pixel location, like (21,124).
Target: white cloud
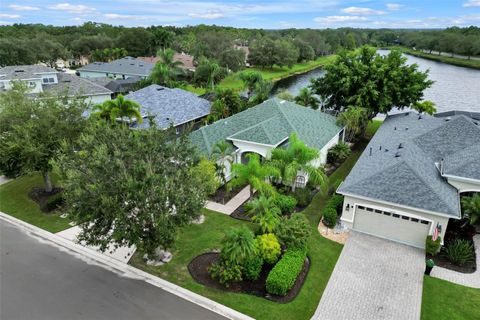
(362,11)
(72,8)
(9,16)
(339,19)
(394,6)
(22,8)
(208,15)
(472,3)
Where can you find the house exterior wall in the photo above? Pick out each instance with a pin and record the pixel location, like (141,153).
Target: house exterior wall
(34,85)
(348,215)
(262,150)
(97,98)
(324,151)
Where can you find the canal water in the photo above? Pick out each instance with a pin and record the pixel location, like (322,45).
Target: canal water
(455,88)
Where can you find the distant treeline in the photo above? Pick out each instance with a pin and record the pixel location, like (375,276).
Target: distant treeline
(33,43)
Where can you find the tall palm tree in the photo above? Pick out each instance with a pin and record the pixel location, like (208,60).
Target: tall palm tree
(306,98)
(120,108)
(297,157)
(264,213)
(222,154)
(166,70)
(250,81)
(355,121)
(238,245)
(214,70)
(255,174)
(166,56)
(261,92)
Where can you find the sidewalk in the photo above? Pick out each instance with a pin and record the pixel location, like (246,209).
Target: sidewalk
(231,205)
(465,279)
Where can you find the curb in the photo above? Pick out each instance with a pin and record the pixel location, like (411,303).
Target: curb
(128,270)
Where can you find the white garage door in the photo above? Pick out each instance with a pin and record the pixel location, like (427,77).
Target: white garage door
(392,226)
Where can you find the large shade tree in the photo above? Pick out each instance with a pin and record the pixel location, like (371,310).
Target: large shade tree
(369,80)
(131,187)
(295,159)
(32,130)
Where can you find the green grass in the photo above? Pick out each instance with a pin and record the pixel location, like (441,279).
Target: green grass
(474,64)
(443,300)
(14,201)
(194,240)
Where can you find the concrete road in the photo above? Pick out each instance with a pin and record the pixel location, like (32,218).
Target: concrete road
(38,281)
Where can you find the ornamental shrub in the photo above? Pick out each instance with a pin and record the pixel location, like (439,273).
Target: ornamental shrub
(268,247)
(338,153)
(294,232)
(330,217)
(285,203)
(460,252)
(283,276)
(303,196)
(225,272)
(432,247)
(252,268)
(335,202)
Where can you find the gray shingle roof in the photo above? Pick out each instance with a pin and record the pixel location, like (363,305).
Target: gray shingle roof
(169,106)
(24,72)
(269,123)
(126,66)
(117,85)
(411,178)
(73,85)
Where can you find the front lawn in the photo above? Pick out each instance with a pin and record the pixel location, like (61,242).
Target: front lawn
(443,300)
(14,200)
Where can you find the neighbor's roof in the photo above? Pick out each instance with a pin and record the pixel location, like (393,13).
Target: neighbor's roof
(24,72)
(407,174)
(169,106)
(126,65)
(73,85)
(117,85)
(269,123)
(186,60)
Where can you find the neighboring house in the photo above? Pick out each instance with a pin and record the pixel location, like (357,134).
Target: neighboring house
(118,69)
(186,60)
(117,86)
(262,128)
(40,79)
(408,179)
(170,107)
(71,62)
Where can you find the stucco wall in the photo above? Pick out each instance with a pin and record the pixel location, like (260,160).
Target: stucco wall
(348,216)
(97,99)
(324,150)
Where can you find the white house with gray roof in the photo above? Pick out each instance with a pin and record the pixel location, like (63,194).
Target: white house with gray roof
(118,69)
(40,79)
(170,106)
(262,128)
(408,179)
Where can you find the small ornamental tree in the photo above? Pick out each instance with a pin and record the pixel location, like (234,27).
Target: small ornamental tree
(130,187)
(294,232)
(268,247)
(222,155)
(32,130)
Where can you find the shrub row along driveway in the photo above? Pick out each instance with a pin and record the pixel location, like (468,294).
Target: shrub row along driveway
(374,279)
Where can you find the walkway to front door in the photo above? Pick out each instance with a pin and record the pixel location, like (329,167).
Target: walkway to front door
(374,279)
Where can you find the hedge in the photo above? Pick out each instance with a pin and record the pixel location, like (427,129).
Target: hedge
(283,276)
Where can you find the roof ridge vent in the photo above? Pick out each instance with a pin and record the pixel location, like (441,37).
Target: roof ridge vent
(400,146)
(448,119)
(397,154)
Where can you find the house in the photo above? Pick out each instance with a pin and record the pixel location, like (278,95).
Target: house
(409,178)
(186,60)
(71,62)
(175,107)
(117,86)
(262,128)
(40,79)
(118,69)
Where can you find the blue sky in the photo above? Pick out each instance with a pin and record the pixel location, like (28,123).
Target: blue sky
(272,14)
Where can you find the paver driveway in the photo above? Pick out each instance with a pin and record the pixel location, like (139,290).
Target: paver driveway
(374,279)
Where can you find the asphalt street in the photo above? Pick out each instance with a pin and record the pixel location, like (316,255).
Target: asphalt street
(39,281)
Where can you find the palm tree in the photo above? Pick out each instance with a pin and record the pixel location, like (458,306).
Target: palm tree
(355,121)
(255,174)
(264,213)
(471,207)
(120,108)
(306,98)
(166,70)
(261,92)
(219,109)
(238,246)
(250,81)
(297,157)
(214,70)
(222,154)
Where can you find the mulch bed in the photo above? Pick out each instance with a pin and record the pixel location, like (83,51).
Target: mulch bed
(41,197)
(223,196)
(456,230)
(198,269)
(240,213)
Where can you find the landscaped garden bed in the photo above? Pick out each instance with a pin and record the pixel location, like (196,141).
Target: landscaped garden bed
(47,201)
(223,194)
(198,269)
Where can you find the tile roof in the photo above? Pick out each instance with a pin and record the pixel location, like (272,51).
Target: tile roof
(399,163)
(169,106)
(126,65)
(24,72)
(269,123)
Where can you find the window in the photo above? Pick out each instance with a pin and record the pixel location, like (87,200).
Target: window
(414,220)
(424,222)
(360,207)
(45,80)
(370,209)
(31,84)
(405,218)
(48,80)
(387,213)
(378,211)
(396,215)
